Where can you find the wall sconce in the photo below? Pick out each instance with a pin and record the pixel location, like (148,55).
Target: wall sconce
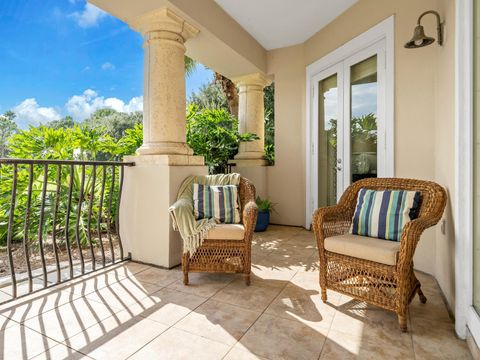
(419,38)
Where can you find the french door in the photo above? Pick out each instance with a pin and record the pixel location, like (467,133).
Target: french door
(348,124)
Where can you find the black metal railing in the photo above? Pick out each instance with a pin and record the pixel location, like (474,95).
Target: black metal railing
(59,219)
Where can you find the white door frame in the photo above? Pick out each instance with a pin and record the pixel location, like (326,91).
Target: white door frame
(465,314)
(384,31)
(335,69)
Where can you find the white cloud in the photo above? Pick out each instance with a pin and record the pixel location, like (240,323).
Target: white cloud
(86,68)
(80,107)
(108,66)
(90,16)
(29,112)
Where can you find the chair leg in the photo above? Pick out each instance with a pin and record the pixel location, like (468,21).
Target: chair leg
(324,295)
(185,267)
(422,297)
(402,321)
(246,277)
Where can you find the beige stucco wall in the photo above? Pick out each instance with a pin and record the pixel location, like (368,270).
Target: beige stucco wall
(424,119)
(286,180)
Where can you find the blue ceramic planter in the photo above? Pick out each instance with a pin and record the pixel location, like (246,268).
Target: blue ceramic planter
(263,219)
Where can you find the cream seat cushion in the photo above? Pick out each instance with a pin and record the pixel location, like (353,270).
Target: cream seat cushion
(226,232)
(362,247)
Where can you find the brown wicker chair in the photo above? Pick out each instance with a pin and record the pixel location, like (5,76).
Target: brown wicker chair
(223,255)
(390,287)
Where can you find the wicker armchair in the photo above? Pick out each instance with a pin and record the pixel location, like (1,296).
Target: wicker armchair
(230,253)
(391,287)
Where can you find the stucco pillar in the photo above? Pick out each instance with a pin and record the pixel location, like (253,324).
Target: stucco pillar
(164,160)
(164,100)
(251,117)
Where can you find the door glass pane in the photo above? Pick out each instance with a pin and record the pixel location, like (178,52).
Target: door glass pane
(327,141)
(363,122)
(476,167)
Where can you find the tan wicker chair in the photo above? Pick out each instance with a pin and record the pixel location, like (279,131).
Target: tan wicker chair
(390,287)
(223,255)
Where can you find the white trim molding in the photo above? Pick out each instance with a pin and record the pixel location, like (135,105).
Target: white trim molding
(380,33)
(464,312)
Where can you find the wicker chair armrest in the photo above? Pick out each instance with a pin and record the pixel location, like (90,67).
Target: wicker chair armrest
(249,219)
(330,221)
(411,234)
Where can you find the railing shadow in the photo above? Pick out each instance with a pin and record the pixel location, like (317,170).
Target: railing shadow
(103,306)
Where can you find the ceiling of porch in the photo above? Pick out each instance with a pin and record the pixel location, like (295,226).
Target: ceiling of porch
(280,23)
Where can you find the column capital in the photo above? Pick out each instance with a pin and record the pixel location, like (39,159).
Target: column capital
(257,79)
(163,19)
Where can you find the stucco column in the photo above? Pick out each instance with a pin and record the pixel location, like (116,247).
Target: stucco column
(164,160)
(164,101)
(251,116)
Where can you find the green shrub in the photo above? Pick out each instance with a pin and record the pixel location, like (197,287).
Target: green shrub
(213,133)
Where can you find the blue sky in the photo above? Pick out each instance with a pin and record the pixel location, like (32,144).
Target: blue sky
(66,57)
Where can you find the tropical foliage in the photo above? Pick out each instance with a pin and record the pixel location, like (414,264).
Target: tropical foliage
(75,143)
(218,94)
(269,98)
(7,128)
(213,133)
(363,129)
(265,205)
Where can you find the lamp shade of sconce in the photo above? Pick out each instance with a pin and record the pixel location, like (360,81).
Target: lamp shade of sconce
(420,39)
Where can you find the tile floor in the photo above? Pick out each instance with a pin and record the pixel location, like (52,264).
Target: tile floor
(140,312)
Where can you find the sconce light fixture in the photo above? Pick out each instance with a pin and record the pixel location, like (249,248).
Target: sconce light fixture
(419,38)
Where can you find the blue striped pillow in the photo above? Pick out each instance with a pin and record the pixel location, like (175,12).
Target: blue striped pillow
(383,214)
(216,201)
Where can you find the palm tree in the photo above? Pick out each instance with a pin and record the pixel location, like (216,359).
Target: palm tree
(190,66)
(231,92)
(227,86)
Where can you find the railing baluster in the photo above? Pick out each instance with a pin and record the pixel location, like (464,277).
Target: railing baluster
(40,226)
(10,231)
(79,214)
(54,223)
(117,213)
(67,219)
(26,228)
(35,199)
(109,214)
(89,220)
(99,222)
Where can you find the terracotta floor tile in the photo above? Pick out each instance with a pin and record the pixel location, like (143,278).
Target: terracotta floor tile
(70,319)
(250,297)
(278,338)
(19,342)
(116,337)
(166,306)
(61,352)
(218,321)
(177,344)
(136,310)
(203,284)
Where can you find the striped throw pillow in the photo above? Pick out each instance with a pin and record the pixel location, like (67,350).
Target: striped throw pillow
(383,214)
(216,201)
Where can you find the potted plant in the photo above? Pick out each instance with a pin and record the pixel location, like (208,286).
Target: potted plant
(265,207)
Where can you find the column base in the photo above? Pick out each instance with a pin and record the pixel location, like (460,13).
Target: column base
(150,187)
(255,171)
(248,162)
(165,148)
(250,155)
